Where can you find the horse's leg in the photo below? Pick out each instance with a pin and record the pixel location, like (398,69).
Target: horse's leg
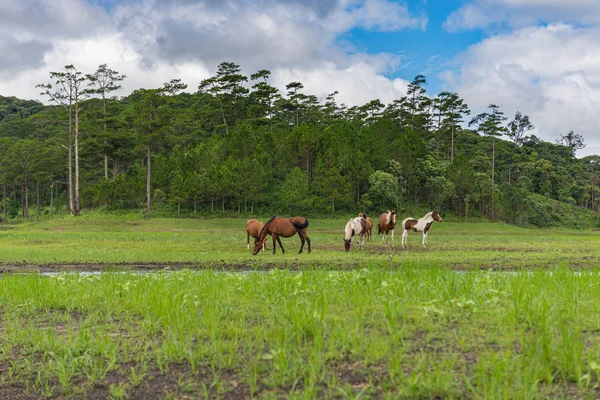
(383,239)
(275,237)
(308,241)
(424,239)
(362,241)
(280,245)
(248,240)
(301,242)
(404,238)
(392,238)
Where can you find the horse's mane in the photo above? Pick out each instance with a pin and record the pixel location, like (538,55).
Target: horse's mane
(428,214)
(268,222)
(348,229)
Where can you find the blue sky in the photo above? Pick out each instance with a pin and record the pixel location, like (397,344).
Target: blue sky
(540,57)
(426,51)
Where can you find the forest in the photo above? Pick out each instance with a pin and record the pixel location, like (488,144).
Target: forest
(237,145)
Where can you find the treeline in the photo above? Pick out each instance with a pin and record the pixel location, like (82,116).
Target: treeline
(239,145)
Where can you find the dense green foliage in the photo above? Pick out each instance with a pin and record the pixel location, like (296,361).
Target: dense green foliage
(238,145)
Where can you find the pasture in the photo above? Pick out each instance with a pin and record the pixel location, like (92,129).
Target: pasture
(442,322)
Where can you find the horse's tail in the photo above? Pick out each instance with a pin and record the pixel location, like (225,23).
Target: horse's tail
(298,225)
(379,229)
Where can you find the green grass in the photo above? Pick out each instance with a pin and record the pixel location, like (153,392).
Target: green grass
(111,240)
(342,325)
(409,333)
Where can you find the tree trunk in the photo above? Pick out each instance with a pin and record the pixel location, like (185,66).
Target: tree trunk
(77,199)
(452,145)
(148,176)
(51,201)
(212,203)
(70,151)
(195,205)
(4,201)
(115,169)
(37,190)
(252,209)
(26,195)
(493,170)
(104,116)
(223,205)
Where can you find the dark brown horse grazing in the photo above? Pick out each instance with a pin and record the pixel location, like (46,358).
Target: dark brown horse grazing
(369,229)
(387,223)
(253,228)
(286,227)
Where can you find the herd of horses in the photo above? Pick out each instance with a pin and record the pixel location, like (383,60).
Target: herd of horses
(358,227)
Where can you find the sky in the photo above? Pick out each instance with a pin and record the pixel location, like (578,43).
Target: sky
(539,57)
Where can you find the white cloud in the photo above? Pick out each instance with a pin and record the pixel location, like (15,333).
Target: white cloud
(551,73)
(152,41)
(522,13)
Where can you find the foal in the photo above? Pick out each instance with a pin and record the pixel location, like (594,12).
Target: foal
(369,229)
(419,225)
(253,228)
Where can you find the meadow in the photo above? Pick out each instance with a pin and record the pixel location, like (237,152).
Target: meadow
(487,311)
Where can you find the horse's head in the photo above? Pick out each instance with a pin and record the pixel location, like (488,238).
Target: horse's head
(258,246)
(436,216)
(347,243)
(393,217)
(263,244)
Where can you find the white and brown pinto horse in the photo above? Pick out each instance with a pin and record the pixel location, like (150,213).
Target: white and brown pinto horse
(419,225)
(355,227)
(253,228)
(387,224)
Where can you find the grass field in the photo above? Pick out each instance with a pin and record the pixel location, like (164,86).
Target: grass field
(107,240)
(325,325)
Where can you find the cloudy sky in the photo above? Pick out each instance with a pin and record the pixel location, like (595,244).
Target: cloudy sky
(541,57)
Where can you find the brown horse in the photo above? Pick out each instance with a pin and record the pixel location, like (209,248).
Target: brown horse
(369,229)
(286,227)
(253,228)
(387,223)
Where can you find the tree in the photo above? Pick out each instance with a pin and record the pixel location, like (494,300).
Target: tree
(518,127)
(416,93)
(295,97)
(103,82)
(149,118)
(572,140)
(490,124)
(453,108)
(68,93)
(265,94)
(383,190)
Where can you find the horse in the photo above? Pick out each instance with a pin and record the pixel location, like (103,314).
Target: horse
(369,229)
(387,223)
(356,226)
(419,225)
(286,227)
(253,228)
